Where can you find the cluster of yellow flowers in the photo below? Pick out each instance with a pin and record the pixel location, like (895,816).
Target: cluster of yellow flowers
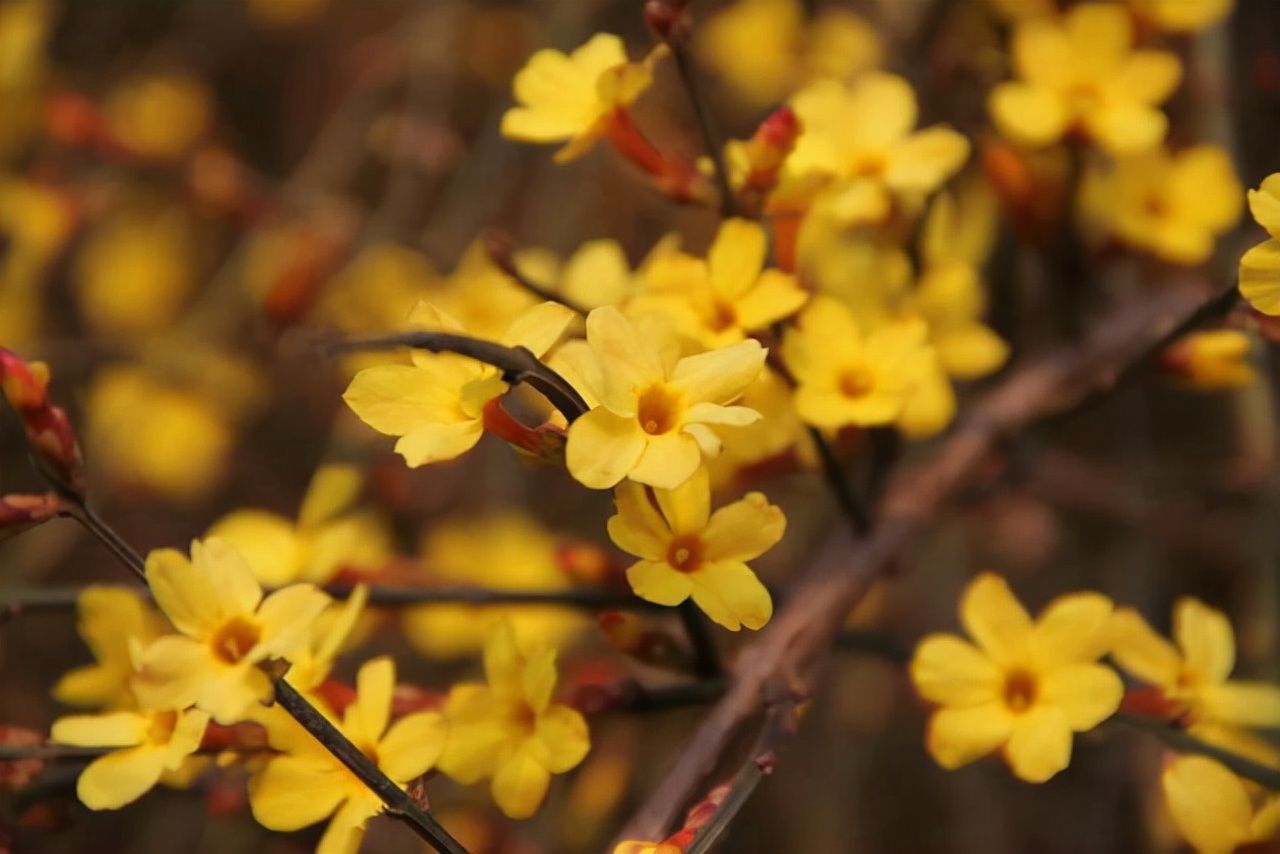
(166,680)
(1021,687)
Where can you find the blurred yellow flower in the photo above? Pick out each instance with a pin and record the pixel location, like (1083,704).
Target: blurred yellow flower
(1180,16)
(686,551)
(1213,809)
(153,743)
(227,629)
(24,28)
(1260,266)
(306,783)
(136,270)
(484,299)
(324,539)
(1025,686)
(1174,206)
(509,729)
(153,435)
(1211,360)
(572,98)
(112,621)
(862,136)
(35,223)
(1193,675)
(847,377)
(655,413)
(159,116)
(766,49)
(720,300)
(377,289)
(436,405)
(1082,74)
(507,550)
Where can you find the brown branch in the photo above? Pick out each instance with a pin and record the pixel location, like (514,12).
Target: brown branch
(781,662)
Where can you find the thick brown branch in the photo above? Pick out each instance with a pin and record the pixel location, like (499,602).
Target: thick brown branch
(781,662)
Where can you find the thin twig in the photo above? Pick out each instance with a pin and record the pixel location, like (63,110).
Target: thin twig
(517,364)
(1184,742)
(710,136)
(706,660)
(501,251)
(397,800)
(107,535)
(833,472)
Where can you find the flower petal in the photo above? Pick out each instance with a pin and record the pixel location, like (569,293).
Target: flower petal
(1208,804)
(719,376)
(1087,694)
(171,672)
(116,729)
(667,461)
(539,328)
(120,778)
(1073,628)
(520,785)
(287,617)
(1242,704)
(1029,115)
(687,507)
(736,257)
(1205,636)
(1040,745)
(366,718)
(1260,277)
(438,443)
(995,619)
(638,528)
(292,793)
(538,681)
(730,593)
(412,745)
(1142,652)
(346,830)
(657,582)
(743,530)
(955,673)
(563,734)
(603,447)
(957,737)
(926,160)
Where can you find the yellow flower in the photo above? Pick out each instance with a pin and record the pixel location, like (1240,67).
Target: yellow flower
(1024,687)
(507,550)
(135,271)
(1080,73)
(509,729)
(574,97)
(35,223)
(154,435)
(307,783)
(862,135)
(765,49)
(1173,206)
(844,377)
(720,300)
(376,289)
(160,117)
(1214,810)
(1180,16)
(1260,266)
(436,405)
(1211,360)
(1193,674)
(112,619)
(153,742)
(25,27)
(654,420)
(322,541)
(686,551)
(311,661)
(227,630)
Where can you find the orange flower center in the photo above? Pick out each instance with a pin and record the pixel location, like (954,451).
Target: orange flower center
(161,728)
(685,553)
(234,638)
(659,410)
(856,382)
(723,316)
(1020,690)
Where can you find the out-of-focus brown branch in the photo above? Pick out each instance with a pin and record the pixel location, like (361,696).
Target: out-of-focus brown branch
(780,665)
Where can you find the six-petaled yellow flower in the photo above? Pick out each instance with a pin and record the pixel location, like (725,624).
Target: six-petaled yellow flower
(1021,687)
(227,630)
(306,783)
(574,98)
(655,413)
(509,729)
(686,551)
(1081,74)
(151,743)
(436,405)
